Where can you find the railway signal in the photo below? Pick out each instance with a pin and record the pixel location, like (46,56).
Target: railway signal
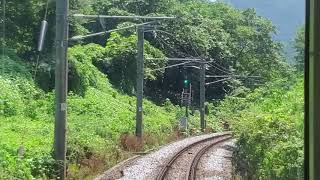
(186,83)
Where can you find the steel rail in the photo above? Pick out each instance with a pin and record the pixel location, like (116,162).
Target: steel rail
(194,164)
(164,170)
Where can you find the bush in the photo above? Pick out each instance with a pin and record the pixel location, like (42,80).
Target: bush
(269,126)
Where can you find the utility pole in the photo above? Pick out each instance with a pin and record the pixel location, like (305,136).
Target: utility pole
(189,100)
(140,75)
(202,94)
(187,107)
(61,79)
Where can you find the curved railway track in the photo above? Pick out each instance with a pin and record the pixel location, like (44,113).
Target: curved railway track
(204,146)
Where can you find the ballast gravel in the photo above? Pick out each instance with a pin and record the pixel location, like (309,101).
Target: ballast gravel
(179,169)
(148,166)
(216,164)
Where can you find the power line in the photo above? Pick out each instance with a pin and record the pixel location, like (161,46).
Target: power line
(219,68)
(106,32)
(193,67)
(123,17)
(166,67)
(159,30)
(217,81)
(239,76)
(194,50)
(172,48)
(173,36)
(175,59)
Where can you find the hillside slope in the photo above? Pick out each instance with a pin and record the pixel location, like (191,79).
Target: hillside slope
(97,118)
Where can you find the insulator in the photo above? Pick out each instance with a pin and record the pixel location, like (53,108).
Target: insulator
(43,31)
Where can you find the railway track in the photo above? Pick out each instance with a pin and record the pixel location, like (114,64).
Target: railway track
(183,164)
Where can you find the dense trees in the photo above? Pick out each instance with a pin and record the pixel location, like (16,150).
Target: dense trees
(299,48)
(237,42)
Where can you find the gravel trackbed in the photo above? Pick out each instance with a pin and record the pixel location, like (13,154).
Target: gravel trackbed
(147,167)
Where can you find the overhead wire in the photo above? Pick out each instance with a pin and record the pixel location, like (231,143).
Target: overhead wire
(192,47)
(175,50)
(219,66)
(215,65)
(225,79)
(105,32)
(162,42)
(178,52)
(166,67)
(236,76)
(211,65)
(195,52)
(174,37)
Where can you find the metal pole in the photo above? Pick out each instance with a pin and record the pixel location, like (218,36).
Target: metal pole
(139,87)
(187,106)
(312,86)
(188,103)
(202,95)
(61,85)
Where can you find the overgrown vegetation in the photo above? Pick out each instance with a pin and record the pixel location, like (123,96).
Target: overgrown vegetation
(238,41)
(268,123)
(265,113)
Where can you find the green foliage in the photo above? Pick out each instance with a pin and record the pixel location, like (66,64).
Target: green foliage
(12,66)
(83,73)
(117,59)
(269,125)
(239,41)
(16,86)
(96,119)
(121,53)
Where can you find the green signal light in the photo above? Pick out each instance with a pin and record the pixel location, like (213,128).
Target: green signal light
(186,83)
